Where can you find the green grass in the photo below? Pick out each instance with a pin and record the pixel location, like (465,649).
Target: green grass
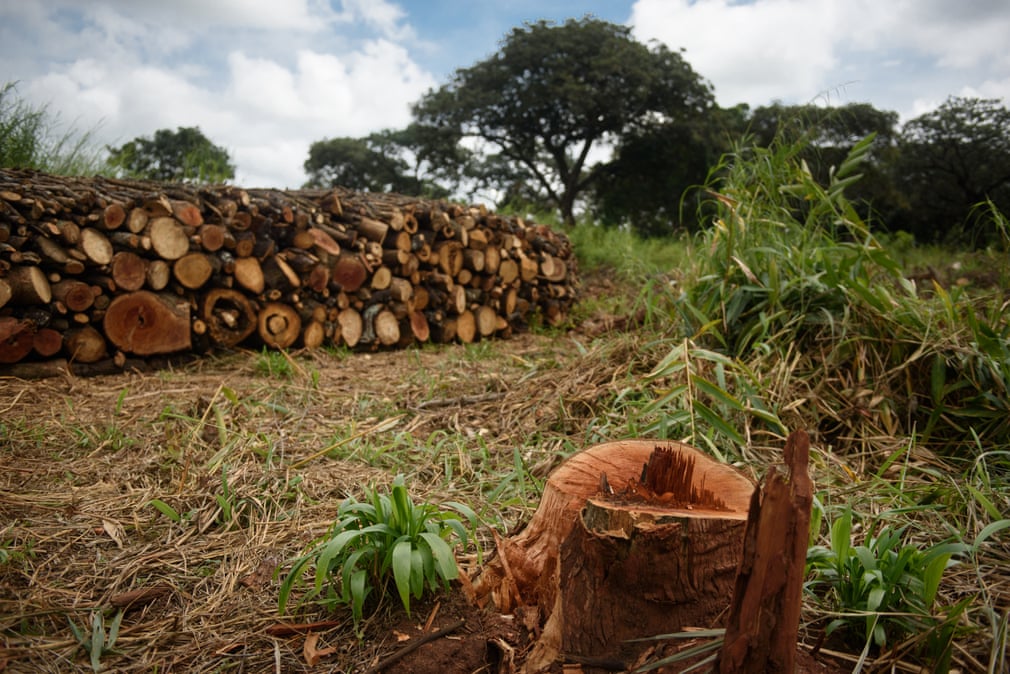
(629,255)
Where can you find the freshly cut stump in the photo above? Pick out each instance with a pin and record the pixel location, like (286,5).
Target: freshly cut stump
(632,539)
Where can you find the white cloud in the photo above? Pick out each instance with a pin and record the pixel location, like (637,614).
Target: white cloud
(385,17)
(261,78)
(747,50)
(323,96)
(901,55)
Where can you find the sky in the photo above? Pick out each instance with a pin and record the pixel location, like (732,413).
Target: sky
(266,78)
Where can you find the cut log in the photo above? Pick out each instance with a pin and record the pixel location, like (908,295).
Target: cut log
(213,237)
(228,315)
(85,344)
(129,270)
(192,270)
(609,556)
(313,335)
(147,323)
(466,327)
(350,326)
(349,273)
(75,295)
(96,246)
(764,617)
(16,339)
(387,328)
(29,285)
(249,274)
(419,326)
(279,325)
(6,292)
(487,321)
(113,216)
(47,342)
(158,274)
(168,238)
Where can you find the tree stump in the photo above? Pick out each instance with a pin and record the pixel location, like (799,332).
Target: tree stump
(632,539)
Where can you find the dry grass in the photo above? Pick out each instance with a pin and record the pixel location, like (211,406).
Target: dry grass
(84,458)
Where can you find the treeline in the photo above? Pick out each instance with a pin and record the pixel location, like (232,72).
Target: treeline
(582,118)
(525,124)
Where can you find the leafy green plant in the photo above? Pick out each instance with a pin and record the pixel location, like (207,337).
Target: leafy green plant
(694,387)
(883,589)
(385,537)
(97,642)
(166,510)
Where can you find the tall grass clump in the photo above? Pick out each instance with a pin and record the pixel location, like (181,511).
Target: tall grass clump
(793,314)
(624,252)
(31,137)
(791,284)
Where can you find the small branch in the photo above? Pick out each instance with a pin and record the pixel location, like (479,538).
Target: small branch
(414,645)
(290,629)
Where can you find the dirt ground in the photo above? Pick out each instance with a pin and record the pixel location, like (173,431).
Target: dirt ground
(282,441)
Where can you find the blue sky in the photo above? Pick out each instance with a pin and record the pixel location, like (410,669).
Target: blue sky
(266,78)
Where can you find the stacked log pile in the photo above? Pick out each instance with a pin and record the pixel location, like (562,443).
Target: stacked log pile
(97,268)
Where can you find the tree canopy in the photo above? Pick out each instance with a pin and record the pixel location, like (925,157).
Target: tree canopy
(184,155)
(533,112)
(949,161)
(393,161)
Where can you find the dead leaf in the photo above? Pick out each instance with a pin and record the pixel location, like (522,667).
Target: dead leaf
(401,637)
(262,573)
(115,532)
(312,654)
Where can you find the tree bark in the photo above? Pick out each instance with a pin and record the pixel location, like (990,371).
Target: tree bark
(763,625)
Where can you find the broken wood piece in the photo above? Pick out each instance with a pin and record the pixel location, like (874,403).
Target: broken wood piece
(763,625)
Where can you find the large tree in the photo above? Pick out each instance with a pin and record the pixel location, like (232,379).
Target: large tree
(951,160)
(184,155)
(534,111)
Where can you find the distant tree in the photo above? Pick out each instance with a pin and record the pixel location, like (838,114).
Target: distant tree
(184,155)
(393,161)
(653,183)
(534,111)
(951,160)
(828,134)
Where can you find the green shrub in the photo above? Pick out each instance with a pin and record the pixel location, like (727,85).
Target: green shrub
(385,537)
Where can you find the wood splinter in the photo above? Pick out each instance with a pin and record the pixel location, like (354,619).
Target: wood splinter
(763,625)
